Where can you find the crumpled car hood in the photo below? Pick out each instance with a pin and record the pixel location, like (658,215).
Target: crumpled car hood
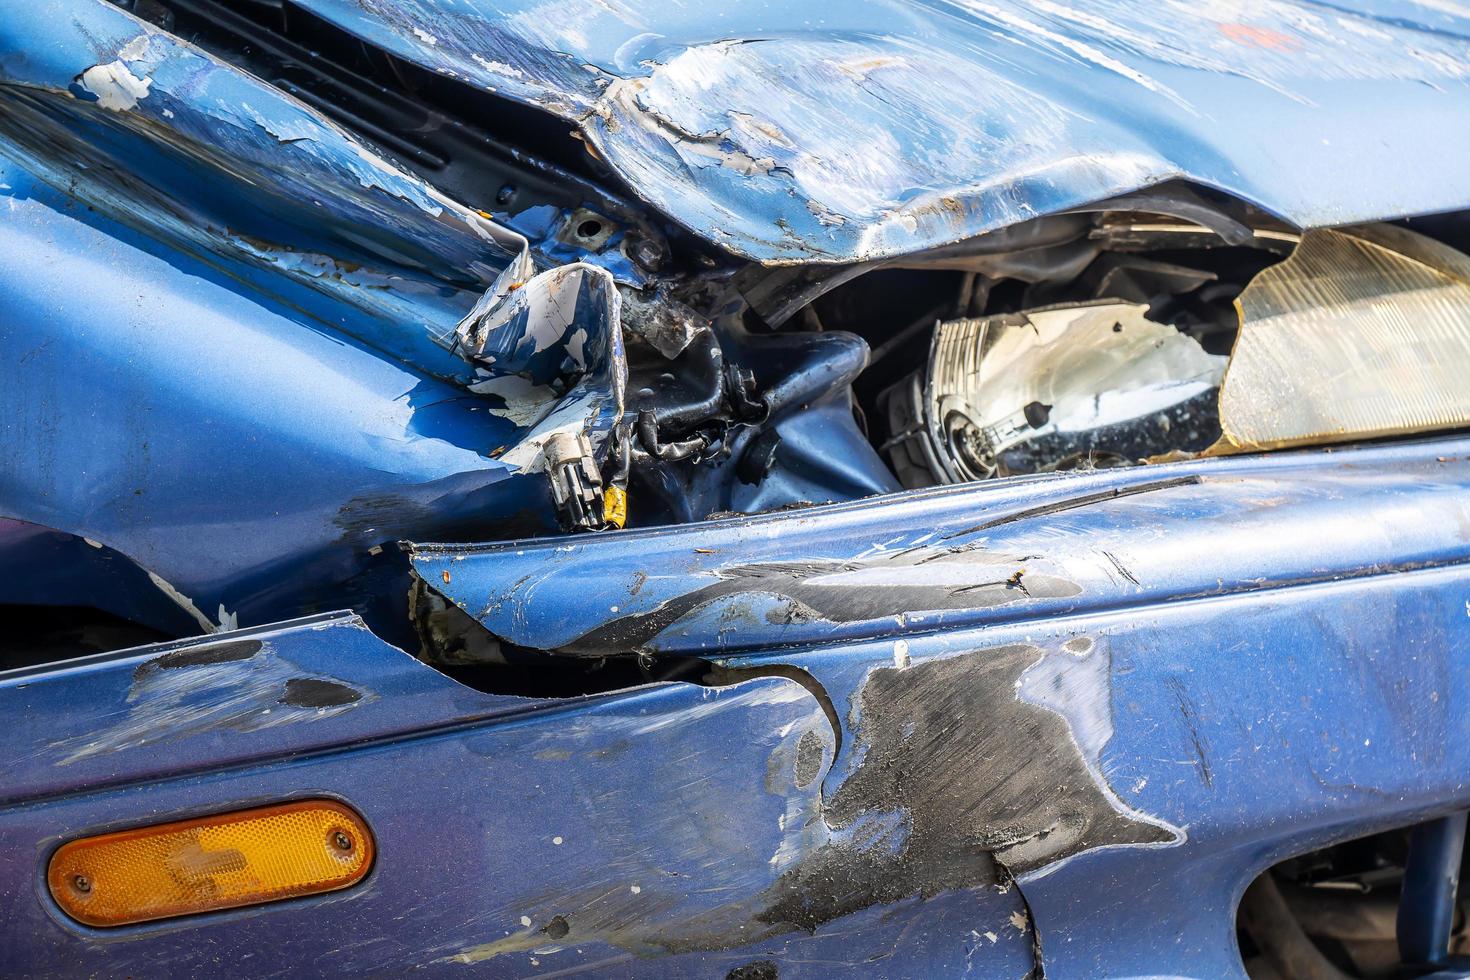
(861,130)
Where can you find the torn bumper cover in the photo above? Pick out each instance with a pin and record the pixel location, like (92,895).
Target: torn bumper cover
(1043,674)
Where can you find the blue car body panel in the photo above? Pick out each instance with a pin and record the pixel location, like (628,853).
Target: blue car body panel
(1315,644)
(1131,721)
(1053,722)
(636,832)
(314,351)
(863,130)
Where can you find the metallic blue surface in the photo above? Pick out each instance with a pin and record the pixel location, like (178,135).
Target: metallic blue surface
(651,821)
(1259,656)
(860,130)
(1282,707)
(1062,719)
(1431,879)
(188,340)
(303,437)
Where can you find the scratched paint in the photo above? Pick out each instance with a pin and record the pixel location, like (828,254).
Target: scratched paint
(347,280)
(242,686)
(890,126)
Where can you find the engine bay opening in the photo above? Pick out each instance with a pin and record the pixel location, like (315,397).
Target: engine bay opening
(1386,905)
(1104,346)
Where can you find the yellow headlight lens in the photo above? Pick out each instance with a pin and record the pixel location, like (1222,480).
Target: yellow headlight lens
(219,862)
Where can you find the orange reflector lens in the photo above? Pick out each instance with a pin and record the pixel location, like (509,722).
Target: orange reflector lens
(219,862)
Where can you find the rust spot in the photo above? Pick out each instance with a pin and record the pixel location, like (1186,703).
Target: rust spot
(445,576)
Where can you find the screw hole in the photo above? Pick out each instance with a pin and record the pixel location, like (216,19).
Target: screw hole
(589,229)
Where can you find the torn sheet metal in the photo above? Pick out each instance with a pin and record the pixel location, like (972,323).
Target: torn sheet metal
(663,829)
(962,557)
(891,126)
(553,347)
(1120,766)
(205,248)
(1360,333)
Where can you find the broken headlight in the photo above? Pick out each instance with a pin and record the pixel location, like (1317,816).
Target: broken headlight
(1093,384)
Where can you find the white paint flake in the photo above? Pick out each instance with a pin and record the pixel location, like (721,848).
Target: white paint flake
(115,86)
(498,67)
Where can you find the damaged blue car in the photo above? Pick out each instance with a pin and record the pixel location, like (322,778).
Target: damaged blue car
(910,488)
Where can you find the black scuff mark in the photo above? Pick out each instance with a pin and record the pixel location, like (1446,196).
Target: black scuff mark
(955,783)
(756,970)
(960,785)
(312,692)
(816,590)
(1189,716)
(557,928)
(215,653)
(809,752)
(1121,568)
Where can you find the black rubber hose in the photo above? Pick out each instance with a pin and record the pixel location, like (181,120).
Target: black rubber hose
(669,452)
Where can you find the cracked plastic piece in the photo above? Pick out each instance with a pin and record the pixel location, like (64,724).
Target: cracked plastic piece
(1358,334)
(576,486)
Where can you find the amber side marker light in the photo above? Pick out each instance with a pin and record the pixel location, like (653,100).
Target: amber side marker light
(219,862)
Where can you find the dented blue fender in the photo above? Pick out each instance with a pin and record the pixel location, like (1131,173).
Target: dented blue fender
(1041,692)
(1048,724)
(215,300)
(650,831)
(1133,689)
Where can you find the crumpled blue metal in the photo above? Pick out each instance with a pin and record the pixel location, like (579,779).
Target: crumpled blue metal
(860,130)
(219,302)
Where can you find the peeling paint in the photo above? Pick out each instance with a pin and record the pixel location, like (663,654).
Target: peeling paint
(115,86)
(233,686)
(884,586)
(758,128)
